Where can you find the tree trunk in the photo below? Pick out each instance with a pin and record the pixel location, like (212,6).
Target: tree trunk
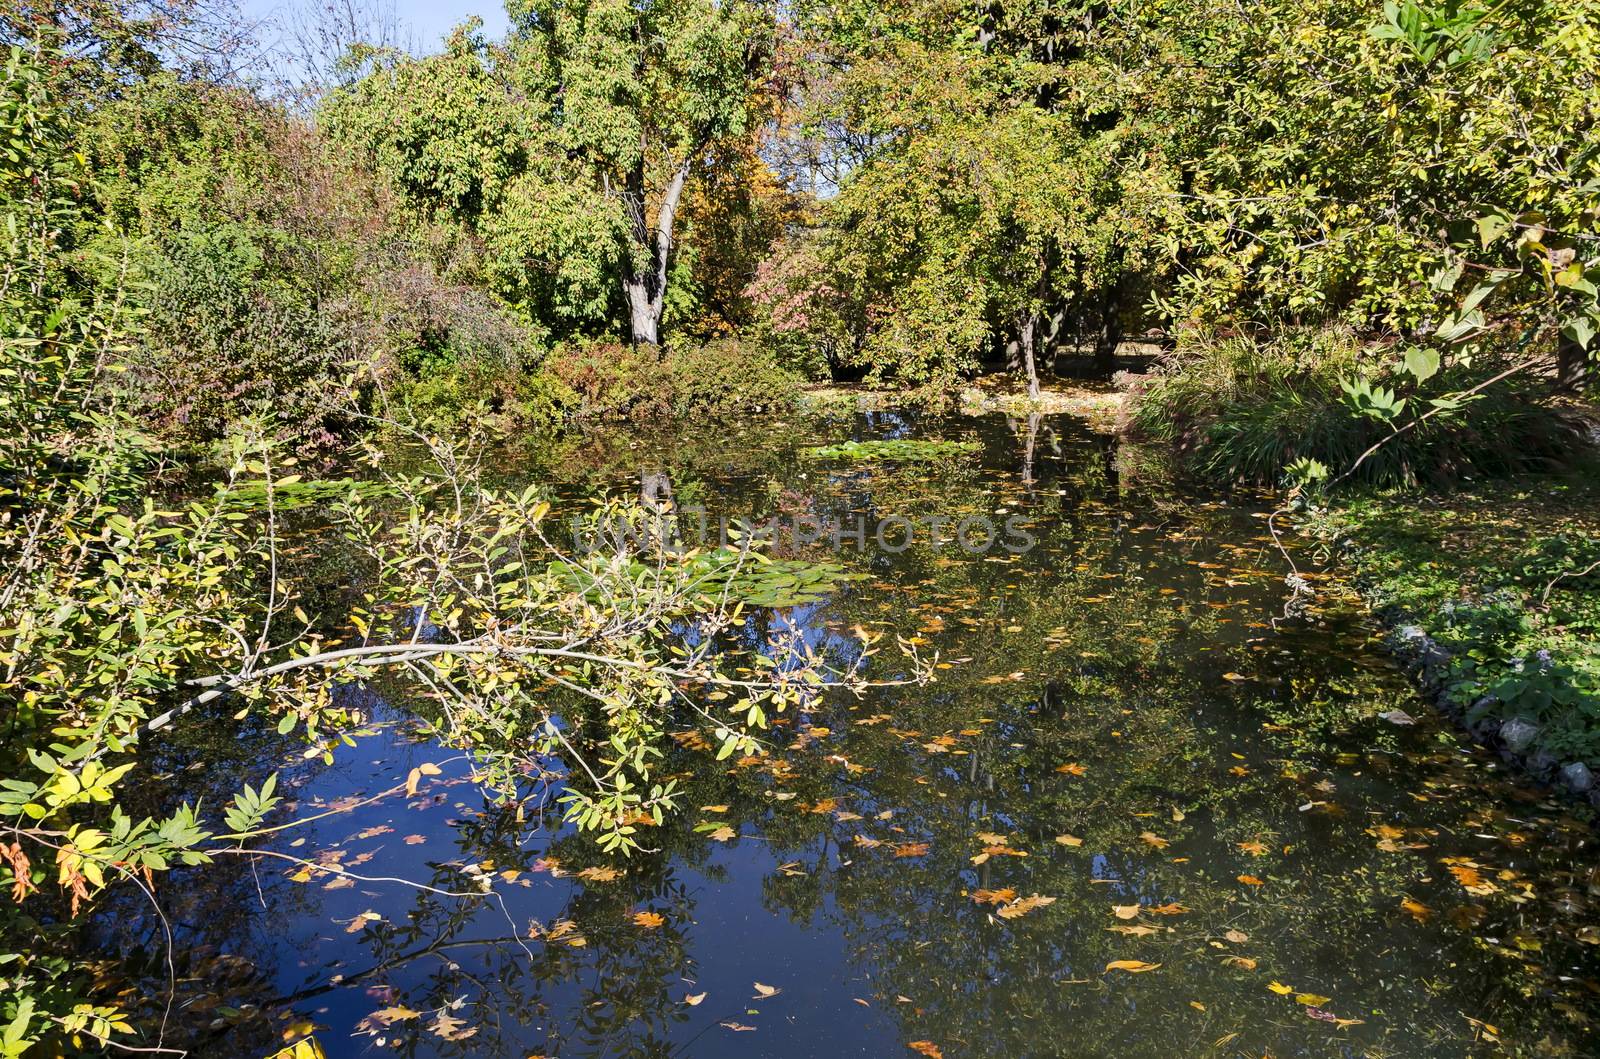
(646,287)
(1030,322)
(1572,364)
(1110,335)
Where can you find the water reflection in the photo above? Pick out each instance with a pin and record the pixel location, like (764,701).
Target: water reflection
(1120,730)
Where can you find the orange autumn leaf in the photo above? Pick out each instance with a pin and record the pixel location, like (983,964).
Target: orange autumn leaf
(994,897)
(1150,838)
(1418,911)
(1251,880)
(1125,911)
(927,1048)
(1072,768)
(1255,849)
(1131,966)
(649,920)
(910,849)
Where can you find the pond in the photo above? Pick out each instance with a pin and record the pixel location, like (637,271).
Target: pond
(1141,812)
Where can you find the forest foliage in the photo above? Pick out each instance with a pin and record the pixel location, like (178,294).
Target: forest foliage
(1365,238)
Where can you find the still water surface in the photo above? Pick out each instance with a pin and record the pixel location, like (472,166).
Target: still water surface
(1130,728)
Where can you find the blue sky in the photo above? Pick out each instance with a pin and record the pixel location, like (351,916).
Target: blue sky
(429,20)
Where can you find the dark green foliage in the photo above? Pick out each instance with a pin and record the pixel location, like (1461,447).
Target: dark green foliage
(1242,409)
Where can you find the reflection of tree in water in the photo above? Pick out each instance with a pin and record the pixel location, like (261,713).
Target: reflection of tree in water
(1123,644)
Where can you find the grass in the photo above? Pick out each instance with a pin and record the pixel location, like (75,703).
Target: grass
(1504,576)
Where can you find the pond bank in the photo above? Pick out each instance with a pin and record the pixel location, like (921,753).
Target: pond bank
(1491,597)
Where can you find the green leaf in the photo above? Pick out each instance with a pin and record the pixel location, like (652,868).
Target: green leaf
(1422,363)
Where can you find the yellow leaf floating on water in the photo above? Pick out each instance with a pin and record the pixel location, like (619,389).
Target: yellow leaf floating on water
(766,990)
(927,1048)
(1255,849)
(694,998)
(1071,841)
(1131,966)
(1280,988)
(1244,963)
(723,834)
(1023,905)
(1125,911)
(1417,910)
(649,920)
(1072,768)
(1138,930)
(1150,838)
(1312,1000)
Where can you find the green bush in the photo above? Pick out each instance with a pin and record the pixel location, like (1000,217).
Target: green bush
(1241,408)
(726,376)
(227,338)
(611,380)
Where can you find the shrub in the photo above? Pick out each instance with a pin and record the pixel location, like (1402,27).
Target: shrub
(1241,408)
(612,380)
(728,375)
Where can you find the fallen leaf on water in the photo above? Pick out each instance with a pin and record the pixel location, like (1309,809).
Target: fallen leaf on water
(994,897)
(1311,1000)
(1418,911)
(360,921)
(1234,677)
(713,808)
(927,1048)
(1023,905)
(910,849)
(766,990)
(414,840)
(1132,966)
(1238,937)
(739,1027)
(1251,880)
(1152,839)
(385,1016)
(694,999)
(1280,988)
(1138,930)
(451,1028)
(1242,962)
(1125,911)
(1072,768)
(1069,840)
(649,920)
(600,873)
(1255,849)
(723,834)
(1172,908)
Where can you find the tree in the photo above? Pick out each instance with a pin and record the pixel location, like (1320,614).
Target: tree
(641,95)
